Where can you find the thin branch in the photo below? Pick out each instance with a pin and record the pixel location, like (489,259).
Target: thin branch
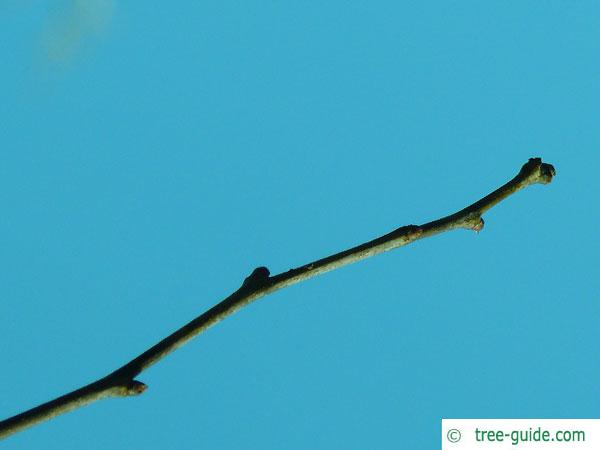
(122,382)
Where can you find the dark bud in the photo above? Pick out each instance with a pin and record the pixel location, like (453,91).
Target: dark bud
(257,278)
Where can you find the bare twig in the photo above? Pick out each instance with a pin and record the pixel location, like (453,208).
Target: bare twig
(122,382)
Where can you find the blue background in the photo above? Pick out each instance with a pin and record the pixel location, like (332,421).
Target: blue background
(153,154)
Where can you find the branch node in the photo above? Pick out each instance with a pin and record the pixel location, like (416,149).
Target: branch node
(409,232)
(258,278)
(413,232)
(134,387)
(474,223)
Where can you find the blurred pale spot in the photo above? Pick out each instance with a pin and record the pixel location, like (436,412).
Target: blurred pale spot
(72,24)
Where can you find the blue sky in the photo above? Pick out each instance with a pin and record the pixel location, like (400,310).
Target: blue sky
(153,155)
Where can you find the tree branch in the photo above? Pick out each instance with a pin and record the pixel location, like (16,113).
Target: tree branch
(122,382)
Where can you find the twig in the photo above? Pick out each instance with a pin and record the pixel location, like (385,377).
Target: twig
(122,382)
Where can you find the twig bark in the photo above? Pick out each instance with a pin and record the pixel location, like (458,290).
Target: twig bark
(122,382)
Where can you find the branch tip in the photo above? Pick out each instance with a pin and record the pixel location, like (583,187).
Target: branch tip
(538,171)
(547,172)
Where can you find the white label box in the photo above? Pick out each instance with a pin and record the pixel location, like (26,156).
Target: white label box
(521,434)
